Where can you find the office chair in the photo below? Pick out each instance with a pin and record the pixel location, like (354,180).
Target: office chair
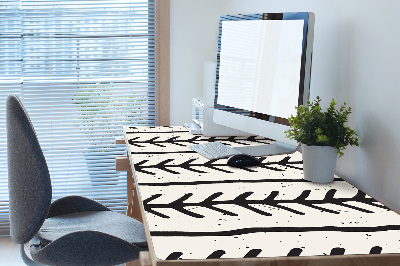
(70,231)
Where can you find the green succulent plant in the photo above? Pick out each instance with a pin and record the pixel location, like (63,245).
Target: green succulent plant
(312,126)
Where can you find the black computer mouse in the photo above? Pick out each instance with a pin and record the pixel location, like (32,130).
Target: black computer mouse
(239,160)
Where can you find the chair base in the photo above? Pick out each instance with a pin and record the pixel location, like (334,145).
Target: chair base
(26,259)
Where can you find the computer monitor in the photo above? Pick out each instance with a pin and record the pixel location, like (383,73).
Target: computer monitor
(263,73)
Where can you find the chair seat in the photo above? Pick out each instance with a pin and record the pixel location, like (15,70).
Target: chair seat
(108,222)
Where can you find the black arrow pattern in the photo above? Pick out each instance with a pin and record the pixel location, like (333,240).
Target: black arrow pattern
(242,200)
(214,164)
(184,191)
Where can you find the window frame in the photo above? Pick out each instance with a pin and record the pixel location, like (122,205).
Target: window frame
(163,77)
(163,15)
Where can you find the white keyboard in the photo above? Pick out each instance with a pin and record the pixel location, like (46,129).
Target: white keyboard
(214,150)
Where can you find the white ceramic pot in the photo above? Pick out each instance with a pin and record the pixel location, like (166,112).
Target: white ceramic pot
(319,163)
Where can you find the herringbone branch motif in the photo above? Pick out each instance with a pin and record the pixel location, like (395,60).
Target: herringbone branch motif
(214,164)
(181,205)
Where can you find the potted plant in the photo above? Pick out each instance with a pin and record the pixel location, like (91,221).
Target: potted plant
(323,135)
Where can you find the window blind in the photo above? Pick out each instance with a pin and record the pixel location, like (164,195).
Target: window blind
(83,69)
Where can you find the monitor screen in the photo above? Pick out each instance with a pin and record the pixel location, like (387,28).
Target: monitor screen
(263,71)
(260,63)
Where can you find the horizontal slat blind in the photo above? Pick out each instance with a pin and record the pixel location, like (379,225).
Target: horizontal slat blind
(10,82)
(83,69)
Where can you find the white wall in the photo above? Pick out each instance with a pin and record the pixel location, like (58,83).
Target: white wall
(194,41)
(356,59)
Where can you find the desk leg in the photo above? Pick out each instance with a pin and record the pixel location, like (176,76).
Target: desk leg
(133,199)
(133,210)
(129,192)
(133,263)
(144,260)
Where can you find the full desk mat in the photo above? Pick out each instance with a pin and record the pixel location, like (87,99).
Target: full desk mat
(198,208)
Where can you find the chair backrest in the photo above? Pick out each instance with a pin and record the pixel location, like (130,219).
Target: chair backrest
(29,183)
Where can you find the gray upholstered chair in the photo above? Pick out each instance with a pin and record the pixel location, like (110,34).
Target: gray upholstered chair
(70,231)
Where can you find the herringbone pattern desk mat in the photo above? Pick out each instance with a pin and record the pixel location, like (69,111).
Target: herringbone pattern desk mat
(198,208)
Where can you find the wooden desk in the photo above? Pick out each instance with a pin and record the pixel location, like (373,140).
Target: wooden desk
(198,211)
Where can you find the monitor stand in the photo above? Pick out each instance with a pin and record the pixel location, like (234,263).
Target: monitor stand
(269,149)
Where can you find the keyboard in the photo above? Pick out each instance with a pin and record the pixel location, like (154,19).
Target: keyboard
(214,150)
